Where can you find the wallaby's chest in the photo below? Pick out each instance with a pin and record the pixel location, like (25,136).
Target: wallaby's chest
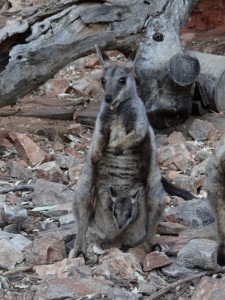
(118,130)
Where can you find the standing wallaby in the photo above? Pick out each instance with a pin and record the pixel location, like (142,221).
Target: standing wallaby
(215,187)
(122,155)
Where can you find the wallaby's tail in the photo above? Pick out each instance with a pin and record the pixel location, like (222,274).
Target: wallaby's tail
(173,190)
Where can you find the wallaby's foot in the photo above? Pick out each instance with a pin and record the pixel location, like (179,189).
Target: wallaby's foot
(90,257)
(156,247)
(77,251)
(96,157)
(147,246)
(221,254)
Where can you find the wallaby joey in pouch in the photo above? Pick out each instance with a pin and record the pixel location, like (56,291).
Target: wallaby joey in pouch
(215,187)
(124,209)
(121,169)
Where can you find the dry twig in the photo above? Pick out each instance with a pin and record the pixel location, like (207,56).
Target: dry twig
(15,188)
(173,285)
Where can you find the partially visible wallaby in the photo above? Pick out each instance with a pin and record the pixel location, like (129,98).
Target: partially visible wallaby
(215,187)
(122,154)
(124,209)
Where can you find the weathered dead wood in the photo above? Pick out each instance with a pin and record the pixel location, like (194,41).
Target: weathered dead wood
(211,81)
(16,188)
(33,49)
(59,34)
(191,278)
(56,114)
(161,65)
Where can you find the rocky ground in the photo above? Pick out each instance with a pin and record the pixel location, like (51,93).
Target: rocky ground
(41,157)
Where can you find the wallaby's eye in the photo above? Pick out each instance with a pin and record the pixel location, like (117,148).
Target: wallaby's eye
(103,81)
(123,80)
(115,213)
(128,215)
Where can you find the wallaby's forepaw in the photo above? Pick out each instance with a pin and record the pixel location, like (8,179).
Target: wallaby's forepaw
(96,157)
(118,151)
(221,254)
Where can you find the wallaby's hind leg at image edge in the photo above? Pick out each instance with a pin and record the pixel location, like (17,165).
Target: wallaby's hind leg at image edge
(220,216)
(215,187)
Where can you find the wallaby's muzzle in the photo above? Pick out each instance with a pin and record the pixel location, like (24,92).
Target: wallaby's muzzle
(108,98)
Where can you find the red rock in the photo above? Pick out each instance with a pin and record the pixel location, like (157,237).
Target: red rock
(47,248)
(155,260)
(210,289)
(72,287)
(175,138)
(172,175)
(175,154)
(60,268)
(6,143)
(4,133)
(92,61)
(27,149)
(49,171)
(114,262)
(87,86)
(203,130)
(53,87)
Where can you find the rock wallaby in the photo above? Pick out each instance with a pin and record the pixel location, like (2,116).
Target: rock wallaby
(122,155)
(215,187)
(121,172)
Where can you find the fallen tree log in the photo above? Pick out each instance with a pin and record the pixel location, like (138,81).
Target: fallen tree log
(54,114)
(37,46)
(211,81)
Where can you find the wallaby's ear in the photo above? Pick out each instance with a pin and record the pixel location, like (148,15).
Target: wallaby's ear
(138,52)
(135,196)
(113,193)
(102,57)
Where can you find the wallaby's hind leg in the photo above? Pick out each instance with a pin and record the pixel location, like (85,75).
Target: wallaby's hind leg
(82,215)
(155,195)
(82,208)
(155,212)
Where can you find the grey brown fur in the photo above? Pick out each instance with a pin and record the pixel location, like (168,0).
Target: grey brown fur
(123,155)
(215,187)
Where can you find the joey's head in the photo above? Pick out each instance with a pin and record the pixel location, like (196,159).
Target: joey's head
(117,81)
(124,208)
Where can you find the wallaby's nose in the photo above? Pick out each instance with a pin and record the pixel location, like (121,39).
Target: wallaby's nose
(120,226)
(108,98)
